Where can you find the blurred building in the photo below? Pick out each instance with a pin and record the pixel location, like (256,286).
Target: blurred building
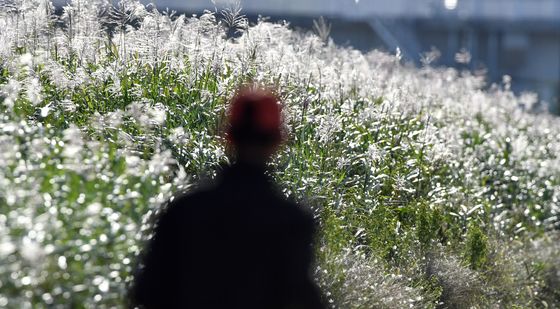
(520,38)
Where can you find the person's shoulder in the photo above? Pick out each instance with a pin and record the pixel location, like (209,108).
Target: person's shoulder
(179,205)
(298,211)
(188,201)
(187,197)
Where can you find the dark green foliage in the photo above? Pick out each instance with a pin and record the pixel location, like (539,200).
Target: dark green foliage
(476,247)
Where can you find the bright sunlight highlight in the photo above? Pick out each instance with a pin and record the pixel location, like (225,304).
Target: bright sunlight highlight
(450,4)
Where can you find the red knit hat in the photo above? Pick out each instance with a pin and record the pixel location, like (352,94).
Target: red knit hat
(255,117)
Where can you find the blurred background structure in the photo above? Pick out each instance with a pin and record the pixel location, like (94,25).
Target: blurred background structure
(519,38)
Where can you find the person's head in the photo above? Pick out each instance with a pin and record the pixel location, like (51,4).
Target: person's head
(254,124)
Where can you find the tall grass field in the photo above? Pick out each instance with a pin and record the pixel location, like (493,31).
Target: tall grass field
(431,187)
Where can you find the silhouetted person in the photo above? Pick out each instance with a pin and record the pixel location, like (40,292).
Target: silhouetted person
(237,243)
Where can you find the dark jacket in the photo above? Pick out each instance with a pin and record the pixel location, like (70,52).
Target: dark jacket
(237,244)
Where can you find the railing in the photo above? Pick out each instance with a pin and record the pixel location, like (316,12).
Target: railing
(512,10)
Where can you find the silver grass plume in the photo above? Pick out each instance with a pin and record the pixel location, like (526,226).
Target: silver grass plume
(232,19)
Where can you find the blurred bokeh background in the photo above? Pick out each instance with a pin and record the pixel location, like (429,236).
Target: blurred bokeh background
(517,38)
